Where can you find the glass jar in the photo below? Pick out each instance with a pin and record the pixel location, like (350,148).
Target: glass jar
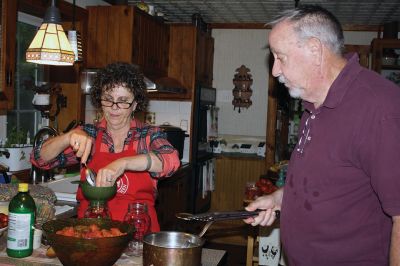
(251,191)
(138,216)
(97,209)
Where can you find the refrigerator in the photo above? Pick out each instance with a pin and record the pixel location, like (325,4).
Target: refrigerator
(204,132)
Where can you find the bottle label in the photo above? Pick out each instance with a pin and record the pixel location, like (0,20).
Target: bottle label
(19,231)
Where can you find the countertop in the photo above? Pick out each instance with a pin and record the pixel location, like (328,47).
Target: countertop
(210,257)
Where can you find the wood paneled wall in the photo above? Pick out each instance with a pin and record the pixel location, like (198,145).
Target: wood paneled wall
(231,176)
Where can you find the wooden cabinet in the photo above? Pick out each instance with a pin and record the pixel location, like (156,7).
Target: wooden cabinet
(173,194)
(231,176)
(7,53)
(180,52)
(126,34)
(385,56)
(191,53)
(150,44)
(204,58)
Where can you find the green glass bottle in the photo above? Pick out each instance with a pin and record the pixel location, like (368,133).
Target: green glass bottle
(20,226)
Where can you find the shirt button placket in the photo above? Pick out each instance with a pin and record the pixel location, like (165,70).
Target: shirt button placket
(312,118)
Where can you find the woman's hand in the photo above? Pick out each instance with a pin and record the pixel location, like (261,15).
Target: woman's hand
(108,175)
(76,138)
(81,143)
(269,204)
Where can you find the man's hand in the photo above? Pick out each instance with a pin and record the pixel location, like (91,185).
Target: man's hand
(269,203)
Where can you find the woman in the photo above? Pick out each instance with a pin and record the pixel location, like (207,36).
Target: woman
(120,148)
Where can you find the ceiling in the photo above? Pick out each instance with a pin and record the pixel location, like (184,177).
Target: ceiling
(364,12)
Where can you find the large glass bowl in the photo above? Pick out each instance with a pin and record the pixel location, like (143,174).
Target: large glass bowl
(78,251)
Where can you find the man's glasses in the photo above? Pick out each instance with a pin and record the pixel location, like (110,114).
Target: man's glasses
(120,105)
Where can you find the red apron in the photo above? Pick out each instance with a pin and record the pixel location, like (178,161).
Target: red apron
(131,186)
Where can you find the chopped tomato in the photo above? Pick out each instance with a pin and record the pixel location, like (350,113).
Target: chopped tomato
(89,231)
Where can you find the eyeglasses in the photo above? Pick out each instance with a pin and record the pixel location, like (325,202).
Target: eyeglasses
(120,105)
(305,136)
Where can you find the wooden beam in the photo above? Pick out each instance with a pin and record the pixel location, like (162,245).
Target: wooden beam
(38,8)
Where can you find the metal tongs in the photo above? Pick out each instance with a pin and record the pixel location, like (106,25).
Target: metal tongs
(220,216)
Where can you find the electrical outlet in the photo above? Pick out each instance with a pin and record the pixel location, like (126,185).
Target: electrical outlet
(150,118)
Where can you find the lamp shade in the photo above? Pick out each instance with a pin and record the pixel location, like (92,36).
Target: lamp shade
(50,46)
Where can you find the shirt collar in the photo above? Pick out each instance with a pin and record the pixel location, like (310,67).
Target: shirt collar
(341,84)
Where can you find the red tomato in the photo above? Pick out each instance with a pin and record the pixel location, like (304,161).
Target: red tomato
(94,227)
(3,224)
(115,231)
(3,217)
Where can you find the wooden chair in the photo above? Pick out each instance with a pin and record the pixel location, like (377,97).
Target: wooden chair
(252,244)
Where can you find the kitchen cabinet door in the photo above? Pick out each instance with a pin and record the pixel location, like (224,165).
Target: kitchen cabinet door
(173,198)
(150,45)
(204,59)
(127,34)
(109,35)
(182,56)
(191,56)
(7,53)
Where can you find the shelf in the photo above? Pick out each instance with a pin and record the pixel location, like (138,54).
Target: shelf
(390,67)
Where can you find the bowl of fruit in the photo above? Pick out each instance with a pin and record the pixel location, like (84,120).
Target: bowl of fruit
(88,241)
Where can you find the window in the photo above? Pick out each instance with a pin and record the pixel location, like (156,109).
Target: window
(24,117)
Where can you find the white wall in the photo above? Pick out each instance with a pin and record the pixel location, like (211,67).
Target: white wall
(176,114)
(233,48)
(359,37)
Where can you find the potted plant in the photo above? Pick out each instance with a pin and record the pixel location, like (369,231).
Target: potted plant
(16,150)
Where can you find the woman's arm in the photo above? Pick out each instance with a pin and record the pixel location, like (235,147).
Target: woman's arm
(75,143)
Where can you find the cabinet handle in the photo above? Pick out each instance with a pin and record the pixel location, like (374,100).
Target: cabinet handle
(9,78)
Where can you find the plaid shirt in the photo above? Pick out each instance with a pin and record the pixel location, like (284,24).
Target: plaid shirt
(137,134)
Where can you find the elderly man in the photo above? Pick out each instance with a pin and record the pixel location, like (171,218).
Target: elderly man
(341,202)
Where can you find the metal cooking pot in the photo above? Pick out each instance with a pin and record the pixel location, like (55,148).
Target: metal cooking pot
(176,136)
(172,248)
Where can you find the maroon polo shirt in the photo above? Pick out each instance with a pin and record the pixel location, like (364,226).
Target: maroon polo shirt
(343,181)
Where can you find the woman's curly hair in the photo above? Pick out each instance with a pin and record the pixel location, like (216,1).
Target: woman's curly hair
(120,74)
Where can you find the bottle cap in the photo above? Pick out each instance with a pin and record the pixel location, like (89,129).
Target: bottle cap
(23,187)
